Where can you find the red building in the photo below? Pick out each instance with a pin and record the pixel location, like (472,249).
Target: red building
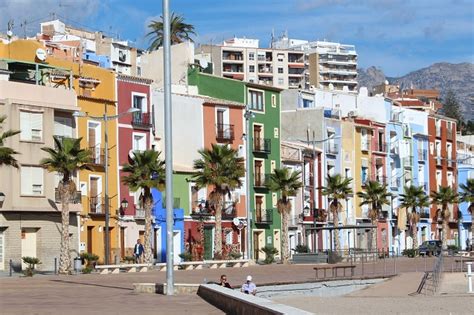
(442,168)
(134,134)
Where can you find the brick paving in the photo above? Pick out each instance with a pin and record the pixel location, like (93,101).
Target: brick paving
(112,294)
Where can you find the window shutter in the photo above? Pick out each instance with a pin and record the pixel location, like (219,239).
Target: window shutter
(25,126)
(26,180)
(63,126)
(37,180)
(36,126)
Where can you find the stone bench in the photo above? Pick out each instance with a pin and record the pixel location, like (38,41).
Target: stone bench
(215,264)
(106,269)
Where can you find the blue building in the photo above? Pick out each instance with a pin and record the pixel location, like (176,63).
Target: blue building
(465,159)
(159,227)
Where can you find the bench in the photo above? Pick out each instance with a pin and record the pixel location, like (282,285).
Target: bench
(334,269)
(215,264)
(106,269)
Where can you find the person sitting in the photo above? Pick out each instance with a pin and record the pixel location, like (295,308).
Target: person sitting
(224,282)
(249,287)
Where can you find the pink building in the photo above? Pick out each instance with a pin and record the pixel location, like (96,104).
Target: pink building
(135,132)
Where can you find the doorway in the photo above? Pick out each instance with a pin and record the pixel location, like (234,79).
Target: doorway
(28,244)
(176,246)
(208,242)
(258,243)
(277,242)
(89,239)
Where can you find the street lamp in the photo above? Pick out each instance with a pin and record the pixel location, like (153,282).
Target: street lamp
(105,119)
(248,115)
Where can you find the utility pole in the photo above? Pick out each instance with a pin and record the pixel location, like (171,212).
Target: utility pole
(168,149)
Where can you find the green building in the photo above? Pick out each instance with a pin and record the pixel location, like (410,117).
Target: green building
(264,102)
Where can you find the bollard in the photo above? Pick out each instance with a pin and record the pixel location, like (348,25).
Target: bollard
(11,268)
(424,257)
(362,265)
(469,277)
(55,266)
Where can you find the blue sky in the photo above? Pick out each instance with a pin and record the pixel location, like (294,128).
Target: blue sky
(397,36)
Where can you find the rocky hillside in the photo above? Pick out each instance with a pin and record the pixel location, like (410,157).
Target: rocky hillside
(442,76)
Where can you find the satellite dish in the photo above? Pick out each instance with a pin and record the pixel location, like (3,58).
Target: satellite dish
(9,34)
(41,54)
(236,221)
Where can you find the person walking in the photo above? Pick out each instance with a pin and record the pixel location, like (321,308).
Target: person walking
(138,251)
(249,287)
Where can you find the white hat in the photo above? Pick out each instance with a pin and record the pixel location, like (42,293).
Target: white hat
(249,278)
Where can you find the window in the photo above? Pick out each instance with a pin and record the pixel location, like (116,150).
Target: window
(252,56)
(274,101)
(63,126)
(307,103)
(438,179)
(280,70)
(450,179)
(31,178)
(139,101)
(139,142)
(281,81)
(364,174)
(256,100)
(251,68)
(31,126)
(228,237)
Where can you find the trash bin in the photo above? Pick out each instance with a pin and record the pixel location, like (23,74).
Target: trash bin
(77,264)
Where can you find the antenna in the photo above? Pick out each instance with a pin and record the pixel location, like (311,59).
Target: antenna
(10,28)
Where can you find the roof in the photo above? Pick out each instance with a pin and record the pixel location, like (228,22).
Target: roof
(299,145)
(212,100)
(126,77)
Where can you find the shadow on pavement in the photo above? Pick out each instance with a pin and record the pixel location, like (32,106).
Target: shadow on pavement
(94,285)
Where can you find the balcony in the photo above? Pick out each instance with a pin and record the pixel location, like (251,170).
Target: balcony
(381,147)
(97,155)
(228,211)
(332,149)
(225,132)
(263,216)
(262,145)
(381,179)
(139,214)
(439,161)
(141,120)
(395,182)
(422,155)
(97,205)
(365,145)
(74,198)
(259,180)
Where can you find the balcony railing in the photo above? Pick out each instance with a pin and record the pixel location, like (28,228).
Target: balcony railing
(141,120)
(97,205)
(407,162)
(97,155)
(332,148)
(451,162)
(139,214)
(176,203)
(381,179)
(74,198)
(395,182)
(381,147)
(262,145)
(229,212)
(225,132)
(263,216)
(439,161)
(422,155)
(259,180)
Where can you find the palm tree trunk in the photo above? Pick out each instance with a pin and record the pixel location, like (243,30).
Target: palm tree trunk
(445,228)
(64,256)
(285,253)
(373,234)
(147,237)
(218,235)
(414,229)
(335,220)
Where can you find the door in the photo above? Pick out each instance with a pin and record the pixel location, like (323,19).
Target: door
(122,242)
(89,239)
(2,250)
(28,244)
(176,246)
(94,140)
(277,242)
(256,248)
(259,181)
(95,195)
(257,137)
(208,242)
(158,249)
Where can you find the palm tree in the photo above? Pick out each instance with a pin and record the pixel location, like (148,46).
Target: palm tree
(414,197)
(179,31)
(6,153)
(444,197)
(146,171)
(375,196)
(287,184)
(66,159)
(221,168)
(337,188)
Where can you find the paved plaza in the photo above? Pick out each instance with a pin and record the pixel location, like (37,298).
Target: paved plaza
(113,294)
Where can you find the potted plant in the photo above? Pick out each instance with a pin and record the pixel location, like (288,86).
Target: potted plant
(31,262)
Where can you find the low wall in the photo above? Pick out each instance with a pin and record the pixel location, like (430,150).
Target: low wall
(234,302)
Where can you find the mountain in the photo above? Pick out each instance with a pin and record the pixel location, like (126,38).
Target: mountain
(442,76)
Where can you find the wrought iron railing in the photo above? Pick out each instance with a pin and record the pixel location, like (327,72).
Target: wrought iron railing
(225,132)
(97,155)
(74,198)
(97,205)
(264,216)
(332,148)
(141,120)
(262,145)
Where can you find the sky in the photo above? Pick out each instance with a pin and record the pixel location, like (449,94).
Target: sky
(394,35)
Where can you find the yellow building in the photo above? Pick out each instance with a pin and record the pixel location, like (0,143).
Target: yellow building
(95,89)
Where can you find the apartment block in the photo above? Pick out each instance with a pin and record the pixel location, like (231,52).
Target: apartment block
(242,59)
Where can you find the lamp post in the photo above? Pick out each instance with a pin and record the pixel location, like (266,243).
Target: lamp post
(248,115)
(105,118)
(123,206)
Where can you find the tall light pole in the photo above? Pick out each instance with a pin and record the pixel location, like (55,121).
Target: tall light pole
(105,119)
(248,115)
(168,148)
